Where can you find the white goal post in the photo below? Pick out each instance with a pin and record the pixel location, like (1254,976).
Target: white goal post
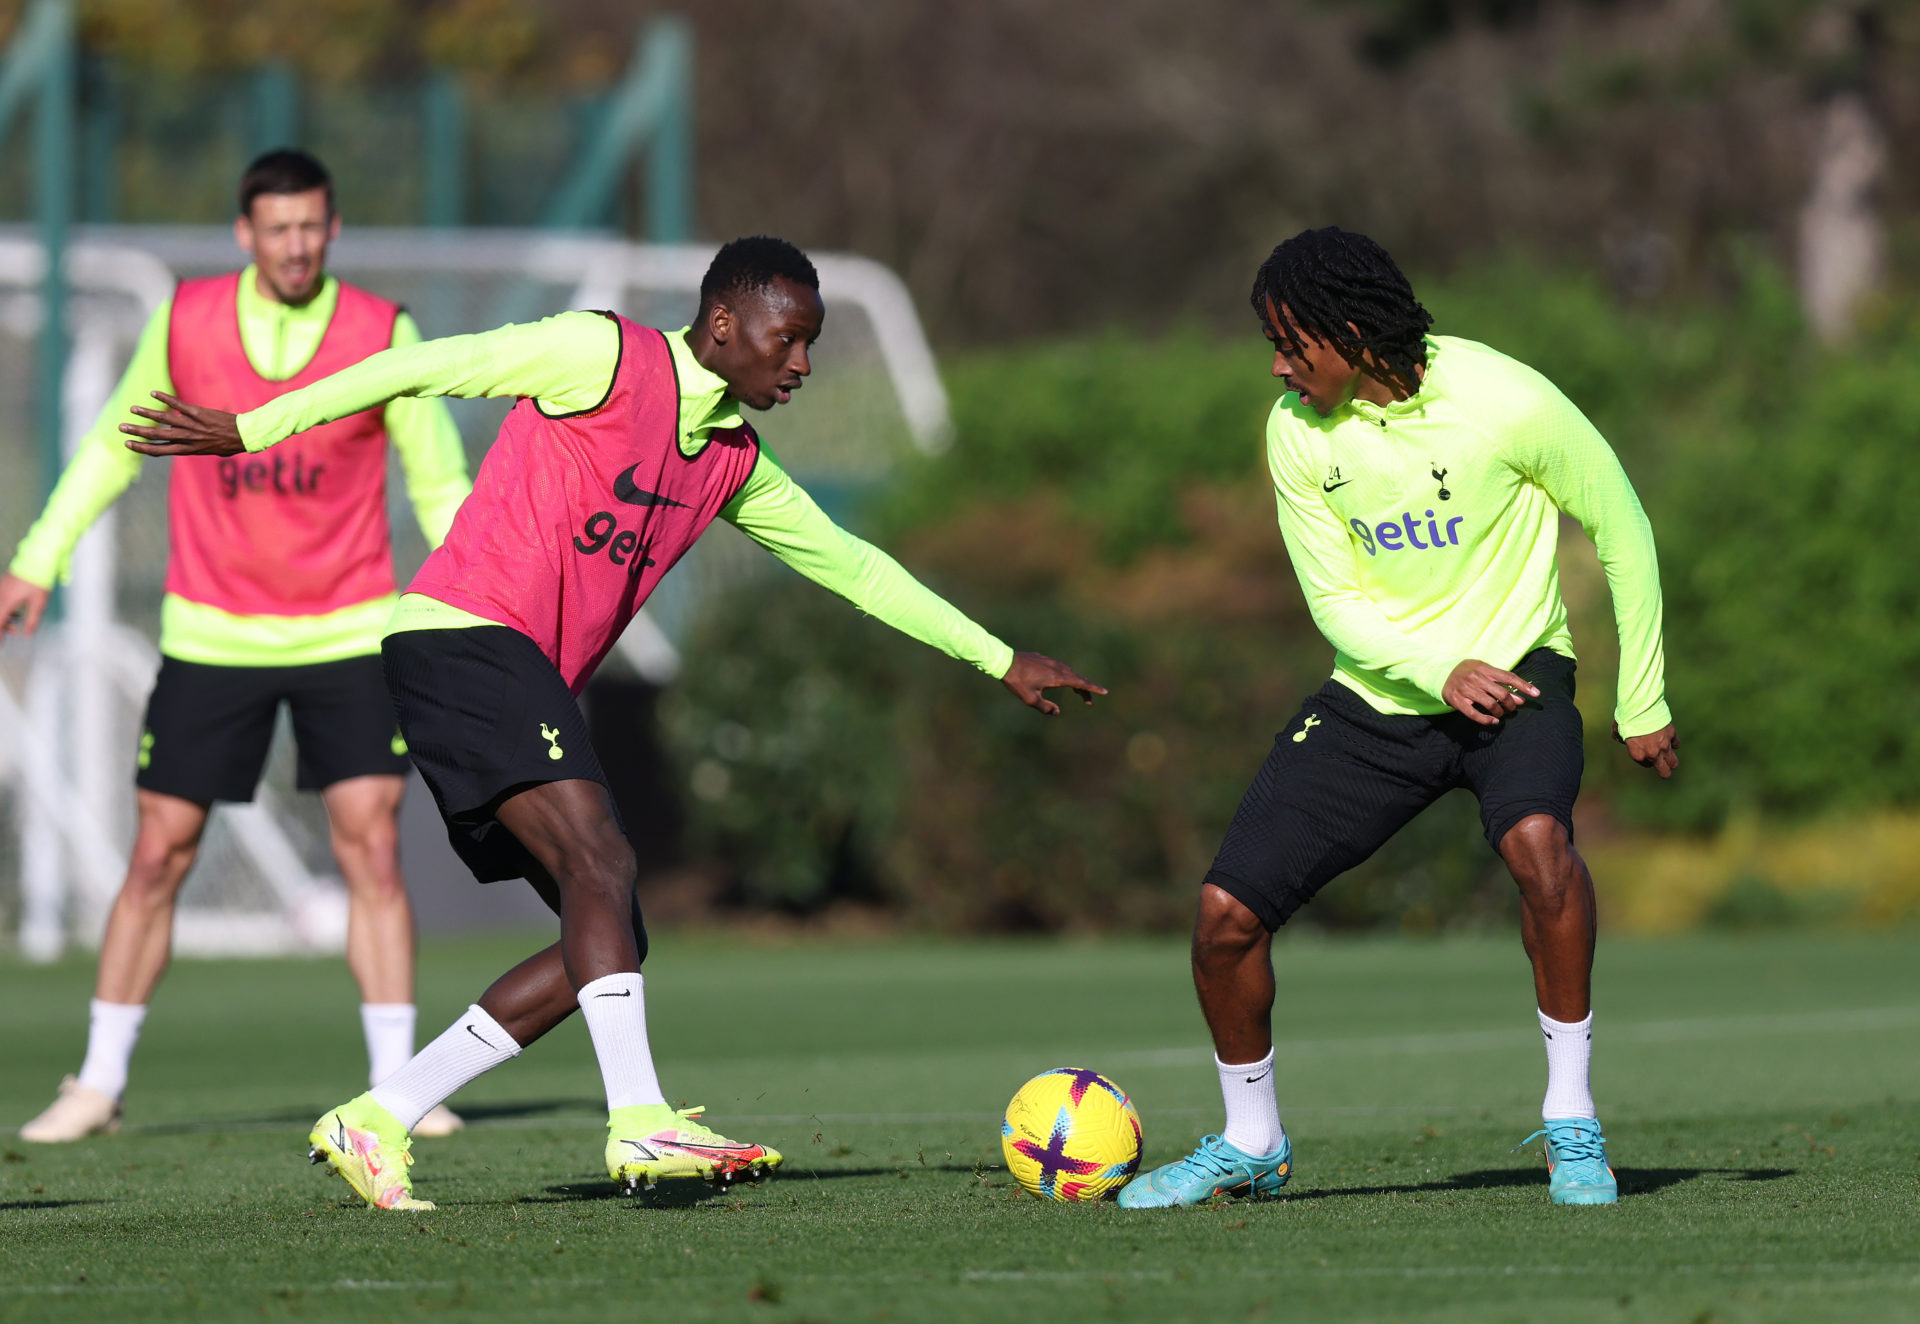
(71,701)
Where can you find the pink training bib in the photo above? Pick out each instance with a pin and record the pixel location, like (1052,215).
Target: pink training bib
(302,528)
(575,519)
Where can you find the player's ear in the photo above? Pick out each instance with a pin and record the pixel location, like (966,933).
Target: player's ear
(720,323)
(333,226)
(243,233)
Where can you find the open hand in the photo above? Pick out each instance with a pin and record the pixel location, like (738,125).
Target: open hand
(1659,750)
(1485,693)
(1032,674)
(184,429)
(22,604)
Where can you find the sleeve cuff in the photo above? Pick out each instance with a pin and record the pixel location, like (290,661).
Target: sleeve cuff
(254,433)
(999,659)
(1431,676)
(39,570)
(1646,723)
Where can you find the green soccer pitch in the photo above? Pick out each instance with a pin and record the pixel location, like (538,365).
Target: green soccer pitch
(1761,1096)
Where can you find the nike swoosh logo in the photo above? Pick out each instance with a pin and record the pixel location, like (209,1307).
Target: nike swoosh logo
(476,1034)
(1254,1080)
(624,490)
(623,993)
(1324,487)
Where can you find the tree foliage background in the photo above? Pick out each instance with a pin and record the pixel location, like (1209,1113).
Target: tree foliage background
(1077,194)
(1038,169)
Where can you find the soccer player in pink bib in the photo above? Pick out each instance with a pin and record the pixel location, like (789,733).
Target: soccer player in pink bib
(626,443)
(279,583)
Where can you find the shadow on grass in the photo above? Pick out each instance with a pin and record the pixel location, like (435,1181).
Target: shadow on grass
(686,1192)
(559,1109)
(299,1122)
(7,1205)
(1633,1181)
(682,1194)
(792,1172)
(496,1112)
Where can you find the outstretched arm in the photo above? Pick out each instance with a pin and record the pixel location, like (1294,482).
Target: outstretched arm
(565,363)
(773,511)
(428,444)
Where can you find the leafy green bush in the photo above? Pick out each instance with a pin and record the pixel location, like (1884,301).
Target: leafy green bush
(1107,503)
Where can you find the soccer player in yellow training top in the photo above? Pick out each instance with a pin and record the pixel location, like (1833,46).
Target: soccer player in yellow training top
(279,583)
(1420,481)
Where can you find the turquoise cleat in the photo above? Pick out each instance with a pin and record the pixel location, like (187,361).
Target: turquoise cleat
(1215,1168)
(1577,1171)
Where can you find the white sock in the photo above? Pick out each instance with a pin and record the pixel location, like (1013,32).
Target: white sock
(616,1010)
(470,1047)
(1253,1118)
(113,1028)
(1569,1051)
(389,1030)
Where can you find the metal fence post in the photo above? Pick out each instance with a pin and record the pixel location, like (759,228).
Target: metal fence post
(53,182)
(276,107)
(651,111)
(669,163)
(443,144)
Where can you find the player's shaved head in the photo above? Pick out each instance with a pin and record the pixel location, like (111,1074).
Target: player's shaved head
(754,266)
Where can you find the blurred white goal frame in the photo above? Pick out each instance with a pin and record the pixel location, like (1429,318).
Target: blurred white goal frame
(57,750)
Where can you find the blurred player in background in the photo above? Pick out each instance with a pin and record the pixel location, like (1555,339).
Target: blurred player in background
(625,445)
(279,583)
(1420,482)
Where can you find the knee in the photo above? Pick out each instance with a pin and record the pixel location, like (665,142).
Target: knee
(372,843)
(1540,855)
(605,868)
(1224,926)
(157,866)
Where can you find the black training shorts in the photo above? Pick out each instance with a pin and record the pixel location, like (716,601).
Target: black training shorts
(208,728)
(486,716)
(1342,778)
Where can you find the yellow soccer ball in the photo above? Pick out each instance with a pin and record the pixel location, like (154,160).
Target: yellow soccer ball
(1071,1134)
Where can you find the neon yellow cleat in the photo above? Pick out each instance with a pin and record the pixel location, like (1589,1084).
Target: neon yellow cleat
(648,1143)
(366,1144)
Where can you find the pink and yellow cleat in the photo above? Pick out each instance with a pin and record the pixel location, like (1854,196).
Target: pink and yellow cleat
(647,1143)
(366,1144)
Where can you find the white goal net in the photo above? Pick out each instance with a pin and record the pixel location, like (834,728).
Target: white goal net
(72,699)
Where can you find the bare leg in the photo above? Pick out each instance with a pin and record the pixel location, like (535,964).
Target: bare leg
(139,939)
(570,829)
(364,812)
(1556,914)
(1233,974)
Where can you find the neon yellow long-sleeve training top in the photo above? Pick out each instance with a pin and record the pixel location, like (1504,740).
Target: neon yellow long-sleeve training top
(1424,531)
(565,363)
(279,340)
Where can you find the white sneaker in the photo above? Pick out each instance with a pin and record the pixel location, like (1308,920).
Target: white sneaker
(79,1112)
(442,1121)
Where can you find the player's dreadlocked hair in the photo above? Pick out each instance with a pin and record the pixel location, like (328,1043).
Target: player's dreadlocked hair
(1331,281)
(751,265)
